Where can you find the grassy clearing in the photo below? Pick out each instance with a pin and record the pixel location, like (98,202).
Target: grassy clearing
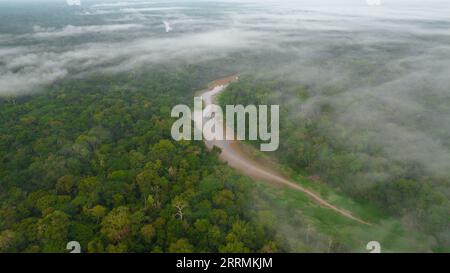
(351,235)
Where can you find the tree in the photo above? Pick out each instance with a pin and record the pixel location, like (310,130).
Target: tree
(150,201)
(234,247)
(163,150)
(89,190)
(52,231)
(270,247)
(224,199)
(68,158)
(145,180)
(65,184)
(81,232)
(95,246)
(148,232)
(179,204)
(98,212)
(116,225)
(7,241)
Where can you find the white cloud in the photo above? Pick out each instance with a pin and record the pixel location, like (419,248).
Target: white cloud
(70,30)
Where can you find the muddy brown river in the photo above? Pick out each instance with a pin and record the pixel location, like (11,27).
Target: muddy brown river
(238,158)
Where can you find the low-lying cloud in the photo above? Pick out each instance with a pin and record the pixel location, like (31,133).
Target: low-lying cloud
(69,30)
(385,66)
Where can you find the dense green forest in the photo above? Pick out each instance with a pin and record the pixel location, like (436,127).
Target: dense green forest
(92,160)
(309,146)
(86,154)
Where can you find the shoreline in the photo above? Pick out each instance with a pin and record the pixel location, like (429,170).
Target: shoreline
(238,159)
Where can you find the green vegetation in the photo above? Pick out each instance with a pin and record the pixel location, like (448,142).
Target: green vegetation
(332,167)
(92,160)
(86,94)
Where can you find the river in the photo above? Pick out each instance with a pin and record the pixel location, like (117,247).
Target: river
(238,158)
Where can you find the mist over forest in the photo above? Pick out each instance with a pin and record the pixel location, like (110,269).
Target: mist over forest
(364,89)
